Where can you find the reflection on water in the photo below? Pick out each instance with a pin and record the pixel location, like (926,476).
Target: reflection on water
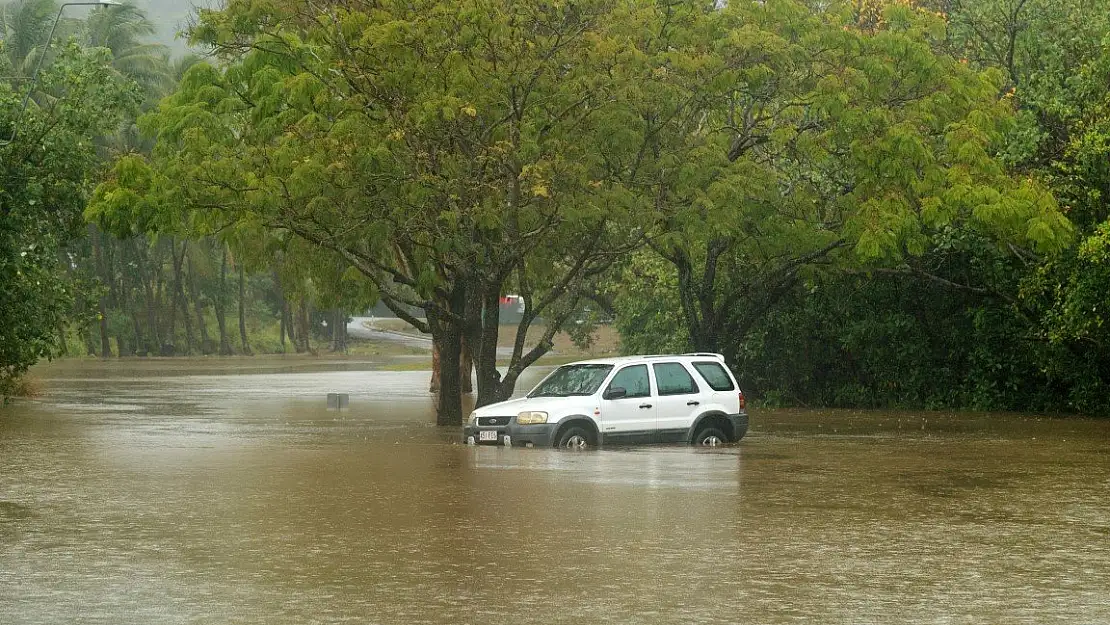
(233,495)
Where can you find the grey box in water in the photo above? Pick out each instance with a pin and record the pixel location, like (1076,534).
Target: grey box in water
(338,401)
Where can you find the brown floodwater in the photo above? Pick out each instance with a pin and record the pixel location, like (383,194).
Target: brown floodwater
(225,492)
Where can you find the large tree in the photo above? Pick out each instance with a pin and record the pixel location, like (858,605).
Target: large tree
(44,179)
(841,138)
(449,151)
(1057,66)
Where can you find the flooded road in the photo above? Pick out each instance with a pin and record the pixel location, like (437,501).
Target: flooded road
(209,492)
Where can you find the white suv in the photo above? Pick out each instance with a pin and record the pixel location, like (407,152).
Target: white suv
(689,398)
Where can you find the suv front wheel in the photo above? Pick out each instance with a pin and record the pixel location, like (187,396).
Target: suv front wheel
(575,437)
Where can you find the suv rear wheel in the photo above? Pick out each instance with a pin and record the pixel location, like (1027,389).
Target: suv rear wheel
(575,437)
(710,437)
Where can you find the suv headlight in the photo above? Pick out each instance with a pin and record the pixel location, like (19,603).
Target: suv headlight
(531,417)
(473,418)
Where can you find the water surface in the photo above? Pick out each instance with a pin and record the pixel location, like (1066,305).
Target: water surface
(225,492)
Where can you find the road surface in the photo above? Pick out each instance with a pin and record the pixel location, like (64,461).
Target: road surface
(357,328)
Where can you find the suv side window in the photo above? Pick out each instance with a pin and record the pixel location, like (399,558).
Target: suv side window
(715,374)
(633,379)
(673,379)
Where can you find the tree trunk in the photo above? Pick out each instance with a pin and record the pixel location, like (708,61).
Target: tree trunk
(131,296)
(198,307)
(339,331)
(154,339)
(484,321)
(105,342)
(140,338)
(447,339)
(117,300)
(158,282)
(90,342)
(221,305)
(304,331)
(281,330)
(691,307)
(466,367)
(433,386)
(343,330)
(63,344)
(169,347)
(127,306)
(182,300)
(283,327)
(290,326)
(102,300)
(243,311)
(151,337)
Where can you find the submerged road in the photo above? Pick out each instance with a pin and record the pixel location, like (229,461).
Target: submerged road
(216,491)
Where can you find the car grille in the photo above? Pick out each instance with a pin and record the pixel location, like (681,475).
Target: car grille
(490,421)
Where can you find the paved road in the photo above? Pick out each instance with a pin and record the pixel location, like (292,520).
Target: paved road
(357,328)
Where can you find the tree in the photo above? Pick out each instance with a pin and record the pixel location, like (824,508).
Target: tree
(124,30)
(838,140)
(448,152)
(43,178)
(1057,66)
(24,26)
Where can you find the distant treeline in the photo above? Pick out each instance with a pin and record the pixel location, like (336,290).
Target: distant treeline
(178,297)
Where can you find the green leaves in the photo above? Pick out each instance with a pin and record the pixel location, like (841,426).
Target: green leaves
(43,188)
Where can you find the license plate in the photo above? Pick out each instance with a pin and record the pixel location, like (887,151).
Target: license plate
(487,435)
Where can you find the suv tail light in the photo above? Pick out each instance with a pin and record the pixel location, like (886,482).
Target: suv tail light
(743,402)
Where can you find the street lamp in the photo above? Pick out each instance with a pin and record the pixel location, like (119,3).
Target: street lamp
(38,64)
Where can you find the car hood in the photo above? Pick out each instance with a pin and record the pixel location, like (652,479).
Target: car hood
(553,405)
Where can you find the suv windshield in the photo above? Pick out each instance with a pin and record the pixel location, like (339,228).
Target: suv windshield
(572,380)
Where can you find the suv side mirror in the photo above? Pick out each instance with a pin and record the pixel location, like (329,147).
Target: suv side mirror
(615,392)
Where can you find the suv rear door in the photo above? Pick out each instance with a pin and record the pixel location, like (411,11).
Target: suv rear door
(677,400)
(722,388)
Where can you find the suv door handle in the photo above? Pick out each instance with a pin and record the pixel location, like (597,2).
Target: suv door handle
(645,405)
(693,403)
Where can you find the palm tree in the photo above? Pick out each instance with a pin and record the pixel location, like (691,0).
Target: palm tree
(183,64)
(124,30)
(24,27)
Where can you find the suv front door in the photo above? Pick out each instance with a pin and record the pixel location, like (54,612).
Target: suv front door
(630,418)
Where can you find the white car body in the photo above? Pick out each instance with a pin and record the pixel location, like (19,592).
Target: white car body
(669,398)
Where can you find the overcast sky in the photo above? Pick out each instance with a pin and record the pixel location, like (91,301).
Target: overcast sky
(170,17)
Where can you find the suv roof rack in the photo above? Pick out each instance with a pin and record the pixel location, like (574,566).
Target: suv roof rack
(716,356)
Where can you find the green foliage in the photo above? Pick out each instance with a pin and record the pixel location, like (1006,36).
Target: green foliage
(650,320)
(1057,63)
(43,182)
(824,147)
(891,342)
(860,203)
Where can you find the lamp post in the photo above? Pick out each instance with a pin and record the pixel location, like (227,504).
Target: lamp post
(38,64)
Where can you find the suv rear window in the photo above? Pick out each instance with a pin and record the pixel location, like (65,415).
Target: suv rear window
(672,379)
(715,375)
